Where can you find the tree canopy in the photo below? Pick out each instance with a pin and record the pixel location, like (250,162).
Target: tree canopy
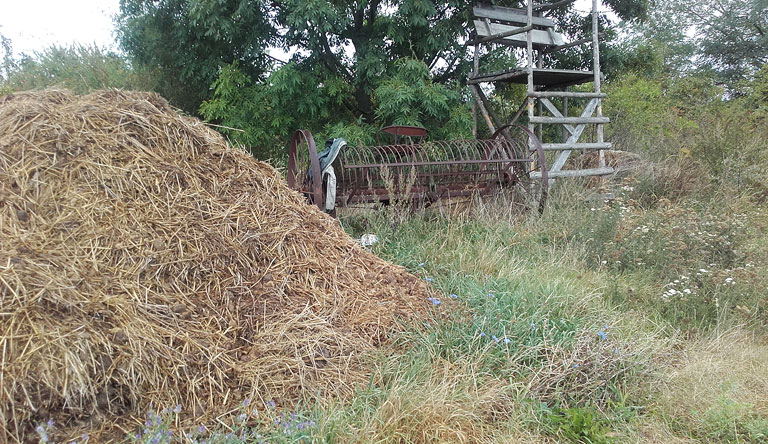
(345,62)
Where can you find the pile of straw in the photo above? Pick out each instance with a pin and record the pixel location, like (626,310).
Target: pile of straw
(145,262)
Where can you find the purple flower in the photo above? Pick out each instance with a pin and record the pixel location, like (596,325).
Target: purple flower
(491,295)
(177,409)
(85,437)
(247,402)
(271,404)
(50,422)
(482,334)
(201,429)
(428,279)
(452,296)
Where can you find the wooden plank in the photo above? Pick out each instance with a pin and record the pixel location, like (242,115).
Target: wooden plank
(503,35)
(548,6)
(578,95)
(575,146)
(538,37)
(570,120)
(511,15)
(575,134)
(576,173)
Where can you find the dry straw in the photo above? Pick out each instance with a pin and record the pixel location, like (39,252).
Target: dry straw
(144,262)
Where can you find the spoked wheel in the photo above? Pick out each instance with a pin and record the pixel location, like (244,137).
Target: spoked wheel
(529,179)
(302,154)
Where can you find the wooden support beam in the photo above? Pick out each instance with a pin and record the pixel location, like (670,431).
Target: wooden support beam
(511,15)
(555,5)
(576,173)
(572,94)
(500,35)
(570,120)
(575,146)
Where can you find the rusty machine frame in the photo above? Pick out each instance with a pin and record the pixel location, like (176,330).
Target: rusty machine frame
(414,168)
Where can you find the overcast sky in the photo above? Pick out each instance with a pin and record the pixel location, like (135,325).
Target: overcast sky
(33,25)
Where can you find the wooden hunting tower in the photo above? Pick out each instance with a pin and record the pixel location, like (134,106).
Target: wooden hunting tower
(548,94)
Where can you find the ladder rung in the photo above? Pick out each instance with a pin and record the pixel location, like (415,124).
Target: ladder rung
(586,95)
(574,146)
(569,120)
(575,173)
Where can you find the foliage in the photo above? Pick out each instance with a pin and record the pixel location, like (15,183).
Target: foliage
(79,68)
(359,64)
(185,43)
(726,37)
(579,425)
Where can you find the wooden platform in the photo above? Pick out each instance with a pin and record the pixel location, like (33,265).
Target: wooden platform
(548,78)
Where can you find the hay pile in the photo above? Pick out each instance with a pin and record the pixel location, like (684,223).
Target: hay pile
(143,260)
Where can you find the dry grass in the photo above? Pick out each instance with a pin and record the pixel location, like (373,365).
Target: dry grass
(143,260)
(728,367)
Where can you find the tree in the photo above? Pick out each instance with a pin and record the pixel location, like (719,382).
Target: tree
(186,43)
(349,62)
(728,38)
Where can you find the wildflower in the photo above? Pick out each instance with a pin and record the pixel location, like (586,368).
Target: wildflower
(201,429)
(491,295)
(507,340)
(40,429)
(482,334)
(242,417)
(615,351)
(452,296)
(495,338)
(247,402)
(85,437)
(177,409)
(702,270)
(533,326)
(271,404)
(603,335)
(575,365)
(687,291)
(428,279)
(435,301)
(421,264)
(50,423)
(728,280)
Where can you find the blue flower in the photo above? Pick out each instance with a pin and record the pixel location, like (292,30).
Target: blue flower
(490,295)
(50,422)
(452,296)
(247,402)
(428,279)
(603,335)
(615,351)
(435,301)
(575,365)
(271,404)
(495,338)
(533,326)
(177,409)
(482,334)
(85,437)
(507,340)
(201,429)
(421,264)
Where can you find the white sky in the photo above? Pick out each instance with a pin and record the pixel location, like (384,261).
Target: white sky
(33,25)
